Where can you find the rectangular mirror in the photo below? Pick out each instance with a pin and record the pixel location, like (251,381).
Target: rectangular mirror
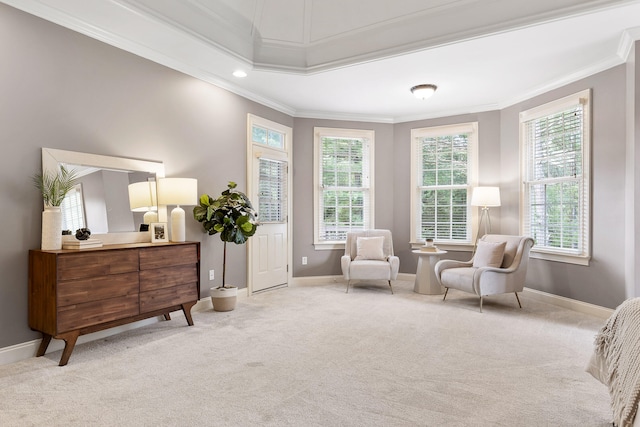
(100,201)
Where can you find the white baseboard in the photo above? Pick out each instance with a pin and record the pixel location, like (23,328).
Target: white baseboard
(568,303)
(18,352)
(28,349)
(323,280)
(25,350)
(571,304)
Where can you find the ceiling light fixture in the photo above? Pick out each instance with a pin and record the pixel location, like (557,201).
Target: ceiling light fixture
(423,91)
(240,74)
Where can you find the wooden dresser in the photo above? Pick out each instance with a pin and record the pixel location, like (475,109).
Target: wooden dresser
(76,292)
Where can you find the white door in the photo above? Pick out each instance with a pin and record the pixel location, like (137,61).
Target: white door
(270,240)
(269,192)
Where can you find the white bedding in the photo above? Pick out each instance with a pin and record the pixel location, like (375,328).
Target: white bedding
(616,362)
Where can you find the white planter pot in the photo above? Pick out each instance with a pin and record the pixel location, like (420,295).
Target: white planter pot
(224,299)
(51,228)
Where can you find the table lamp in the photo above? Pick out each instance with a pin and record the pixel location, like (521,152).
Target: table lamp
(177,191)
(142,198)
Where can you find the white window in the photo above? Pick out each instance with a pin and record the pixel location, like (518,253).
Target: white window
(343,181)
(269,137)
(555,140)
(443,172)
(73,209)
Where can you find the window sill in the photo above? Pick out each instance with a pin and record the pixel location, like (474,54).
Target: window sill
(459,247)
(329,246)
(552,256)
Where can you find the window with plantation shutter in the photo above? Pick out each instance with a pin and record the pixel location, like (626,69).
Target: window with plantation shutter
(343,182)
(443,173)
(555,141)
(272,194)
(73,209)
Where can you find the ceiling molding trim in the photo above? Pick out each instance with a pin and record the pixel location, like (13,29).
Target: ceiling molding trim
(627,40)
(60,18)
(347,117)
(476,109)
(564,81)
(167,23)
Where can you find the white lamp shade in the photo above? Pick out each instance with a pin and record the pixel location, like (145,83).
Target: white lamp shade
(485,196)
(142,196)
(177,191)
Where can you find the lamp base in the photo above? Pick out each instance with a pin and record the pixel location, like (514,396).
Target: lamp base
(178,233)
(150,217)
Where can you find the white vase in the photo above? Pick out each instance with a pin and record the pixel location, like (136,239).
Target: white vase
(224,299)
(51,228)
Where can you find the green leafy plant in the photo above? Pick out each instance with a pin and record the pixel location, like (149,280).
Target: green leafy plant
(55,186)
(231,215)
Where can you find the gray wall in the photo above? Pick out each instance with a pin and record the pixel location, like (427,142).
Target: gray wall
(488,174)
(63,90)
(327,262)
(602,282)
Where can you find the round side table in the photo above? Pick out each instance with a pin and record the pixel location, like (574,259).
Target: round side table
(426,282)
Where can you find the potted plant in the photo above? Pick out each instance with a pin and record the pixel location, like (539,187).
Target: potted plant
(232,216)
(53,187)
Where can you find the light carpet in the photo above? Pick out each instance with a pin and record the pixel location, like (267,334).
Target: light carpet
(316,356)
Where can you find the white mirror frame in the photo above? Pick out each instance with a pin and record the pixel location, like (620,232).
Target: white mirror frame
(52,158)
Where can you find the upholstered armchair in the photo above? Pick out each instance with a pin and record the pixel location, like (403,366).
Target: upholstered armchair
(498,266)
(368,255)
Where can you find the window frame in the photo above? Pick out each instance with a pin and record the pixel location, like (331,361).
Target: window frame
(318,134)
(470,128)
(548,109)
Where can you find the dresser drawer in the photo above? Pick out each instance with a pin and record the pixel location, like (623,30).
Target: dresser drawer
(96,263)
(168,256)
(160,278)
(97,288)
(79,316)
(168,297)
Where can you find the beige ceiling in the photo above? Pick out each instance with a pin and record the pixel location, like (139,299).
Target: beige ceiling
(357,59)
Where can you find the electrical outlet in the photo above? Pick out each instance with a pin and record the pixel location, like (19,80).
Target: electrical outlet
(211,275)
(304,260)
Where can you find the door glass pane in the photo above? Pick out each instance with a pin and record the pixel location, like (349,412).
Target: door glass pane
(272,197)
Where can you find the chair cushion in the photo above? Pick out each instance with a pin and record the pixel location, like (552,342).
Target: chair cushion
(458,278)
(489,254)
(370,248)
(370,270)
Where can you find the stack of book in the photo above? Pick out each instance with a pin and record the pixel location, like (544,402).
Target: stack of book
(429,248)
(82,244)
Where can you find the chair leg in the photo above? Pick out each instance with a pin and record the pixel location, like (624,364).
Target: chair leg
(348,282)
(391,287)
(445,293)
(518,298)
(480,304)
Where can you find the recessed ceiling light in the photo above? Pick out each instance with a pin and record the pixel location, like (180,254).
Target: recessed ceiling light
(240,74)
(423,91)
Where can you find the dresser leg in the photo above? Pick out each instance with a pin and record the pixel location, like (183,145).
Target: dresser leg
(186,309)
(69,343)
(167,316)
(46,339)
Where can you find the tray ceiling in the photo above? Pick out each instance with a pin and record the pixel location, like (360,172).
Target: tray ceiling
(357,59)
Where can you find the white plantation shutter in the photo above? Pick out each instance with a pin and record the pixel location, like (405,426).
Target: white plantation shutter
(73,209)
(272,194)
(556,185)
(344,195)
